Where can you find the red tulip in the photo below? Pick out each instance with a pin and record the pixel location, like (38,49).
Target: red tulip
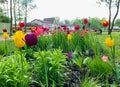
(21,24)
(4,29)
(85,21)
(95,30)
(65,28)
(105,23)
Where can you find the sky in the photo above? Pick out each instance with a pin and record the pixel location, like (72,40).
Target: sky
(67,9)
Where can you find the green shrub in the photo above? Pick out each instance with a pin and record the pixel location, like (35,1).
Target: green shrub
(90,82)
(10,71)
(50,68)
(98,67)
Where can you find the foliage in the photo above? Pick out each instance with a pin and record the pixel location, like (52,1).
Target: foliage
(4,19)
(44,43)
(10,71)
(95,23)
(99,67)
(9,49)
(117,22)
(59,40)
(50,68)
(90,82)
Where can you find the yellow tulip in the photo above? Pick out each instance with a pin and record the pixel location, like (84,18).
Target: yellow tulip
(5,35)
(69,37)
(19,39)
(109,42)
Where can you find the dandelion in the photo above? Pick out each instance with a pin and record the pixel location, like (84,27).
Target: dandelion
(69,36)
(109,42)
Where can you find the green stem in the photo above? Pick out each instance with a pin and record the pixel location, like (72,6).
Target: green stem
(114,65)
(22,72)
(45,68)
(5,47)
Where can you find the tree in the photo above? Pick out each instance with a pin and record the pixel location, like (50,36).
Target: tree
(27,6)
(95,23)
(67,21)
(11,17)
(57,20)
(76,21)
(117,22)
(110,4)
(4,3)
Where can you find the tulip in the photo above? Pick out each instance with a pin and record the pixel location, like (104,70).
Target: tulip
(105,23)
(21,24)
(69,55)
(53,32)
(69,36)
(5,35)
(85,21)
(109,42)
(81,35)
(105,58)
(77,27)
(19,39)
(31,39)
(4,30)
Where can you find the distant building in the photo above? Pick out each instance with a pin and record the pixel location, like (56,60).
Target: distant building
(35,22)
(46,22)
(50,22)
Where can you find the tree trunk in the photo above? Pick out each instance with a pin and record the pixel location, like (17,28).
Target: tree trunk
(25,16)
(112,25)
(15,15)
(11,17)
(109,29)
(19,13)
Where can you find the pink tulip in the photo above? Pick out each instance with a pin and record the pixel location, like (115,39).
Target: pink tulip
(105,58)
(81,35)
(39,31)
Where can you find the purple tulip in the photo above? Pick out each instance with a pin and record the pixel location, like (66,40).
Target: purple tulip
(31,39)
(69,55)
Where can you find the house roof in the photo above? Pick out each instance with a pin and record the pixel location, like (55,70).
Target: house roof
(34,23)
(37,21)
(50,20)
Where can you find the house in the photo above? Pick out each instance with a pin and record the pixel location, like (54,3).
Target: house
(35,22)
(50,22)
(68,26)
(46,22)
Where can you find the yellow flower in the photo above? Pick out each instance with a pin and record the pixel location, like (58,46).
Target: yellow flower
(19,39)
(69,37)
(109,42)
(5,35)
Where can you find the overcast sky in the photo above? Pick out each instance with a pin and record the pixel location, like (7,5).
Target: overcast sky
(67,9)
